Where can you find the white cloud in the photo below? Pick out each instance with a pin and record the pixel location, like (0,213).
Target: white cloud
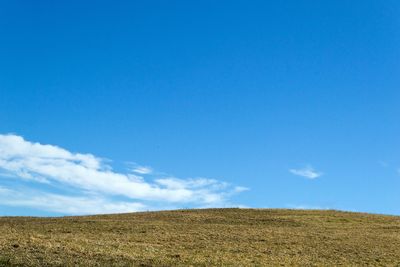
(4,190)
(66,204)
(50,164)
(142,169)
(307,207)
(307,172)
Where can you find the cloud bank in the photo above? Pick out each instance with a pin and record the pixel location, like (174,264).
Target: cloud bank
(307,172)
(96,187)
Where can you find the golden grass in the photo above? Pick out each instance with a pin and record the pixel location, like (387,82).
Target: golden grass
(213,237)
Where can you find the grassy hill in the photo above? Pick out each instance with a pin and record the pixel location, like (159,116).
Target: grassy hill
(239,237)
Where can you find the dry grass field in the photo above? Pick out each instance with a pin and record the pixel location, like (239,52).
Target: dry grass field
(213,237)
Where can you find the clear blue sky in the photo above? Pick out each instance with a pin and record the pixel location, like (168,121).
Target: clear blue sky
(298,101)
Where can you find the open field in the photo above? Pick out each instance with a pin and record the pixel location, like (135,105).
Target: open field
(235,237)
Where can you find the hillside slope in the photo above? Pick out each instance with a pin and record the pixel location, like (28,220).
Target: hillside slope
(240,237)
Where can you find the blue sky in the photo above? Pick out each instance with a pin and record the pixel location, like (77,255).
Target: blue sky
(114,106)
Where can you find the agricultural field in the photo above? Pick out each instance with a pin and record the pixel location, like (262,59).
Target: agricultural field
(209,237)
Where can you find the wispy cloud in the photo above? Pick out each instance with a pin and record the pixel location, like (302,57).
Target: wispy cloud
(308,172)
(308,207)
(66,204)
(136,168)
(143,170)
(96,183)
